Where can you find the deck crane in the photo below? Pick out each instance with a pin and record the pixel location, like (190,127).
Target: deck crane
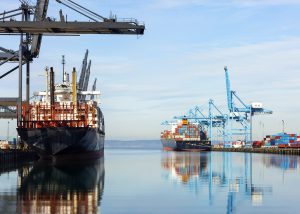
(83,70)
(31,23)
(87,76)
(242,115)
(84,75)
(94,88)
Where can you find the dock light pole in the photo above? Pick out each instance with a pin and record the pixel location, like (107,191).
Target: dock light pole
(282,126)
(7,130)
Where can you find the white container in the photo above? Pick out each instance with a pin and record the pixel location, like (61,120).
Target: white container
(256,105)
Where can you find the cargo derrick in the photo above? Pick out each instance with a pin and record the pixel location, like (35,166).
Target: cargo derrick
(62,110)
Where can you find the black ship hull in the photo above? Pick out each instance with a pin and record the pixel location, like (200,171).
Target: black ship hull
(185,145)
(64,142)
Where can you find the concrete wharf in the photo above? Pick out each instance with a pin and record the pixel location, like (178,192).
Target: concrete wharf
(283,151)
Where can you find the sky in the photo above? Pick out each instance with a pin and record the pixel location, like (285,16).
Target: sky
(179,62)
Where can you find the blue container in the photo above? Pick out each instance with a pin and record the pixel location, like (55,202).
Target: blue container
(267,144)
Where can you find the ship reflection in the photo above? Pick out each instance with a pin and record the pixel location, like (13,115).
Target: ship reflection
(215,173)
(184,166)
(61,189)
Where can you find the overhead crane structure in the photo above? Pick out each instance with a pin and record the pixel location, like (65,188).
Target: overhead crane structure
(241,113)
(31,23)
(214,121)
(236,123)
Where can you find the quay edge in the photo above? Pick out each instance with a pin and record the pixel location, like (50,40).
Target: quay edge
(283,151)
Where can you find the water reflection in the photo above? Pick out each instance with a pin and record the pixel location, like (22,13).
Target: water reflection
(281,161)
(61,189)
(213,173)
(184,167)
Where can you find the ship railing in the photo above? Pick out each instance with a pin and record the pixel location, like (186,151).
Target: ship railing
(58,115)
(53,123)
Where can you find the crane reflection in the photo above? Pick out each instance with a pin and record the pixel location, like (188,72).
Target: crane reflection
(215,172)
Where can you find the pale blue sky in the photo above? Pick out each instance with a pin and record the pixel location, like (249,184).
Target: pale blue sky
(179,61)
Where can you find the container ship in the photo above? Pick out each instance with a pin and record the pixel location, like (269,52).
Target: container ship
(65,120)
(185,136)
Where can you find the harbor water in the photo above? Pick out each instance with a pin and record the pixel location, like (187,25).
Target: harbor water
(138,177)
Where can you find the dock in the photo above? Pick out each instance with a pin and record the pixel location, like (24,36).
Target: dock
(282,151)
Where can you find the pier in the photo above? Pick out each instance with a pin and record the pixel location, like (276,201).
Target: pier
(282,151)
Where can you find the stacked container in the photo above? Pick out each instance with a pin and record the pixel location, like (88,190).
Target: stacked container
(282,140)
(267,141)
(188,131)
(296,144)
(183,130)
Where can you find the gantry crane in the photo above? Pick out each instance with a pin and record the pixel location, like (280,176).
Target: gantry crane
(242,115)
(215,119)
(31,23)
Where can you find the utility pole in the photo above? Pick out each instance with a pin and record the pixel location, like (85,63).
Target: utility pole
(282,126)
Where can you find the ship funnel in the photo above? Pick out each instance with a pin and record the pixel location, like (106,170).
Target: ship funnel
(52,86)
(74,87)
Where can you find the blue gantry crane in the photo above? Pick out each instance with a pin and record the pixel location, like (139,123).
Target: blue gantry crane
(215,119)
(237,122)
(241,113)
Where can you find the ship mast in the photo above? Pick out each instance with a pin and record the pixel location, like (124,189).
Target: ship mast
(63,62)
(47,85)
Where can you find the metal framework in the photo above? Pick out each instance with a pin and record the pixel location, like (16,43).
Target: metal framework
(31,24)
(241,114)
(8,108)
(238,122)
(215,120)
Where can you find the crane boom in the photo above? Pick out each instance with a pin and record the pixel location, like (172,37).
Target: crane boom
(94,88)
(87,76)
(83,70)
(228,90)
(40,15)
(57,27)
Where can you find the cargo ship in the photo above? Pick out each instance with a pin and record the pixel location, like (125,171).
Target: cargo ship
(185,136)
(65,121)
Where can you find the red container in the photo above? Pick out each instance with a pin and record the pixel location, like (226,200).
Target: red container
(282,146)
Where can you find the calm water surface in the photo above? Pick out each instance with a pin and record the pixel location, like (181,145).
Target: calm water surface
(154,181)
